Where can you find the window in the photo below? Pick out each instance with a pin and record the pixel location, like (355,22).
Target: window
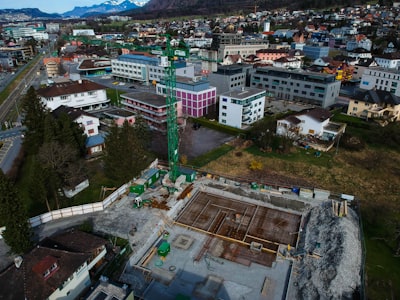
(90,122)
(223,106)
(223,121)
(91,131)
(64,97)
(224,114)
(224,99)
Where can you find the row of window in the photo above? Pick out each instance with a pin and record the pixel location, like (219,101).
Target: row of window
(389,75)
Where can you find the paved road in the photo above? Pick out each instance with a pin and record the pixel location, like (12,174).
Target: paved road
(12,142)
(14,97)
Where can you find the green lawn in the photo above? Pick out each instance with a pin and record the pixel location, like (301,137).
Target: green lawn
(382,268)
(296,155)
(204,159)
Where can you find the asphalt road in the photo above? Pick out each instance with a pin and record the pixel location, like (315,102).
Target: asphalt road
(14,97)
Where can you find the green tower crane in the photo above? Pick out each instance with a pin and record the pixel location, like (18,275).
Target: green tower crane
(168,61)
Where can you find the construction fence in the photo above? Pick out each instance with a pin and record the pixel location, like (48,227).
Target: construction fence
(79,209)
(75,210)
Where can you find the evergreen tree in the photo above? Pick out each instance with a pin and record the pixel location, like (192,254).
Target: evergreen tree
(34,116)
(125,153)
(13,216)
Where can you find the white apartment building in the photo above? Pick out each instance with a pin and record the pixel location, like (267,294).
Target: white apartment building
(297,85)
(381,79)
(146,69)
(82,94)
(241,107)
(243,50)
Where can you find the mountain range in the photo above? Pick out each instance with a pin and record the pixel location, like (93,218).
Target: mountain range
(108,7)
(150,9)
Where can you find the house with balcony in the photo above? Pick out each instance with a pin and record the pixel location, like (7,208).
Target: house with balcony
(196,95)
(241,107)
(80,94)
(312,123)
(60,267)
(151,107)
(382,106)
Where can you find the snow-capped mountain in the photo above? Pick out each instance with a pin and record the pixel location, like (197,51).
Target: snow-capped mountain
(110,6)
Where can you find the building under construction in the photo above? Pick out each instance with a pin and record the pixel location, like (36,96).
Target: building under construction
(223,240)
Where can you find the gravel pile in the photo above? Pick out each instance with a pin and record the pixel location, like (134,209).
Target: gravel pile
(336,240)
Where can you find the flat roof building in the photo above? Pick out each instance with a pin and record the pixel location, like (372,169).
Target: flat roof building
(241,107)
(297,85)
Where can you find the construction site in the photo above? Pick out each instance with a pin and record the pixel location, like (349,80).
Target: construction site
(214,238)
(206,237)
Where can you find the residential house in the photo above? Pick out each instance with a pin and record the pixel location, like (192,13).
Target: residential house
(287,63)
(241,107)
(198,98)
(232,59)
(269,55)
(359,53)
(297,85)
(382,106)
(58,268)
(81,94)
(52,65)
(151,107)
(361,66)
(388,60)
(90,125)
(311,122)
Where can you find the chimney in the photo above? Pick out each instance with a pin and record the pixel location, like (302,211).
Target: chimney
(18,261)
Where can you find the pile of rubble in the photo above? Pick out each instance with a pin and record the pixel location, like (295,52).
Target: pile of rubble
(331,264)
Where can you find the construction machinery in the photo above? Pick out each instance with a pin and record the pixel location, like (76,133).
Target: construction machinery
(168,58)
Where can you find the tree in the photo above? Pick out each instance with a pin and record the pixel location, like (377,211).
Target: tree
(38,185)
(34,116)
(58,160)
(13,216)
(125,153)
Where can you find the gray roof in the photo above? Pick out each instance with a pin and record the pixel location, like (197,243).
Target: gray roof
(377,97)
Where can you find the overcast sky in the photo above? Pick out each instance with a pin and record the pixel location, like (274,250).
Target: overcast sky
(48,6)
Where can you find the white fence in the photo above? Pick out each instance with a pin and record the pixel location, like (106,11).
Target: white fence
(80,209)
(75,210)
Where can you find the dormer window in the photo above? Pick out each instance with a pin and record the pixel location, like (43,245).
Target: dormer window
(46,267)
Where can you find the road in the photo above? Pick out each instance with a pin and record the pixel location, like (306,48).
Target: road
(13,98)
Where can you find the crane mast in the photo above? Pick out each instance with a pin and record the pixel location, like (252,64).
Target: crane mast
(167,60)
